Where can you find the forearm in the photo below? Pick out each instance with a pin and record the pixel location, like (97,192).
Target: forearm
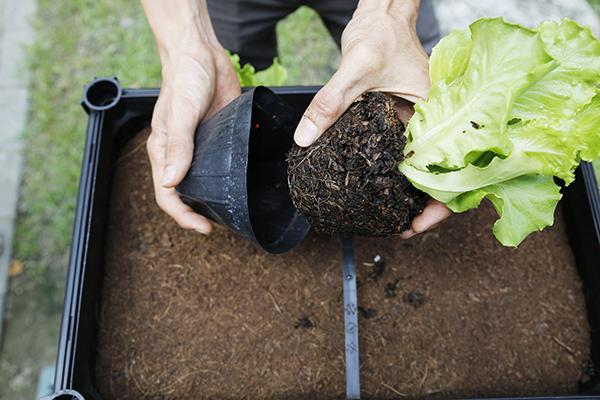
(405,9)
(180,26)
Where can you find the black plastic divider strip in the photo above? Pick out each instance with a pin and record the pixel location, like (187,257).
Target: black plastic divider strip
(352,349)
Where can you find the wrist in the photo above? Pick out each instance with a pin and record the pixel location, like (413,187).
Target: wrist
(181,29)
(190,45)
(405,11)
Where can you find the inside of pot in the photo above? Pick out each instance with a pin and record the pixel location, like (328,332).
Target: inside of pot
(275,222)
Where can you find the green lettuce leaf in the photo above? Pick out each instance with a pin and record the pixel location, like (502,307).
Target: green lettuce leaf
(525,204)
(274,75)
(467,115)
(450,57)
(509,109)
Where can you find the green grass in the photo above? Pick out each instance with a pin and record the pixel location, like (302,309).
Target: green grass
(75,41)
(306,49)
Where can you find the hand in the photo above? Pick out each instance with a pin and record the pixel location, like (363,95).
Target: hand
(380,52)
(198,80)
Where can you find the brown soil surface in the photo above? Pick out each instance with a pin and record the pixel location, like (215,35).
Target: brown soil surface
(348,180)
(449,313)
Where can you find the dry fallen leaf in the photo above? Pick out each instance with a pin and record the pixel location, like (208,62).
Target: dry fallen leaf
(16,268)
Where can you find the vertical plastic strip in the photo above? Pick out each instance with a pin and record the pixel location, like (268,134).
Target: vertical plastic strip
(350,320)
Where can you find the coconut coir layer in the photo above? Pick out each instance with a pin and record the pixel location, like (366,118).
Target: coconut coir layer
(449,313)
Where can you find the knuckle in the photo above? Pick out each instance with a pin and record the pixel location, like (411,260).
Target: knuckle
(179,147)
(151,142)
(157,126)
(372,55)
(155,145)
(160,202)
(152,147)
(168,209)
(326,104)
(159,116)
(364,59)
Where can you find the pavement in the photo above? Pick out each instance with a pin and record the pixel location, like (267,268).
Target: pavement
(15,33)
(453,14)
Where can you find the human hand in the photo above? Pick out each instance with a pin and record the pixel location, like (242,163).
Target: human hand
(198,80)
(380,52)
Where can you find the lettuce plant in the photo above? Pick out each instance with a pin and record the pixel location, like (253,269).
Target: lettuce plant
(274,75)
(509,109)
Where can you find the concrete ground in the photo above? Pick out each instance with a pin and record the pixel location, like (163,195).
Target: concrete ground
(15,33)
(454,14)
(18,379)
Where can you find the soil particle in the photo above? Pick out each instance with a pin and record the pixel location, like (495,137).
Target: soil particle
(367,312)
(390,288)
(186,316)
(415,299)
(304,323)
(348,181)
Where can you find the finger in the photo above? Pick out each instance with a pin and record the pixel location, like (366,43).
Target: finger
(330,102)
(407,234)
(157,141)
(227,86)
(404,109)
(433,214)
(183,120)
(190,99)
(167,199)
(159,116)
(225,95)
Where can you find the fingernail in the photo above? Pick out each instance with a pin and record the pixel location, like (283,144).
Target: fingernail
(168,175)
(203,230)
(306,132)
(407,234)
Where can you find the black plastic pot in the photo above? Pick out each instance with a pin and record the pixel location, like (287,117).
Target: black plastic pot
(108,129)
(238,176)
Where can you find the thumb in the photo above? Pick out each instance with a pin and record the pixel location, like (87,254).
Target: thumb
(329,104)
(183,119)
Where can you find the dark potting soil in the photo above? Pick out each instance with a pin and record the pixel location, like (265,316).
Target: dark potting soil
(448,313)
(347,181)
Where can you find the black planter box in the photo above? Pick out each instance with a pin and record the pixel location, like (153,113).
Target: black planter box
(116,114)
